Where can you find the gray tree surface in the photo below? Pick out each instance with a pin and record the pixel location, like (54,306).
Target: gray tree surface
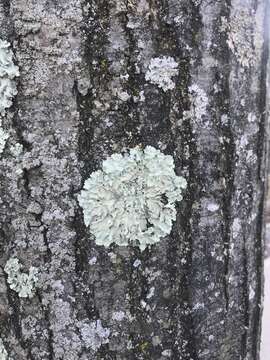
(83,96)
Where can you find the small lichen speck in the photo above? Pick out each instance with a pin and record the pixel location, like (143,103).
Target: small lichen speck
(118,315)
(8,72)
(212,207)
(92,261)
(137,263)
(22,283)
(131,201)
(167,353)
(151,293)
(160,72)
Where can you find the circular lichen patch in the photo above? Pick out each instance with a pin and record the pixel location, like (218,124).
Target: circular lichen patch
(132,199)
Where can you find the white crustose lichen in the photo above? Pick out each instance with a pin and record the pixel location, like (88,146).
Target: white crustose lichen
(8,72)
(3,138)
(22,283)
(3,352)
(94,334)
(132,199)
(241,38)
(199,103)
(161,71)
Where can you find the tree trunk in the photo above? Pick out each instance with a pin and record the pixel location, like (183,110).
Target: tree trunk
(83,95)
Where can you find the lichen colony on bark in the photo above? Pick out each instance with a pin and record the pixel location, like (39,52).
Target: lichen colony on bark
(182,80)
(132,199)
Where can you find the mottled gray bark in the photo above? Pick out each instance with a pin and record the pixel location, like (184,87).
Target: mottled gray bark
(197,293)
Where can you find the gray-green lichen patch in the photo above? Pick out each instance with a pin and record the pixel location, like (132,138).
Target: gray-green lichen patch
(132,199)
(8,72)
(22,283)
(161,71)
(3,352)
(94,334)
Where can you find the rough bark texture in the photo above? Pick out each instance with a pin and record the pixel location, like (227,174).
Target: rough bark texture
(196,294)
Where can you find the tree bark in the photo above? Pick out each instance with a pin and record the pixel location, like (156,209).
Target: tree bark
(197,294)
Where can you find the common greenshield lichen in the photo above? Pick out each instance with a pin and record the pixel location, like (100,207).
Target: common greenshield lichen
(8,72)
(131,200)
(22,283)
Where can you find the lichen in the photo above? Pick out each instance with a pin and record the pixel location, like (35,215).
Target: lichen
(16,150)
(8,72)
(3,352)
(241,38)
(199,103)
(131,201)
(167,353)
(3,138)
(118,315)
(94,334)
(22,283)
(161,71)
